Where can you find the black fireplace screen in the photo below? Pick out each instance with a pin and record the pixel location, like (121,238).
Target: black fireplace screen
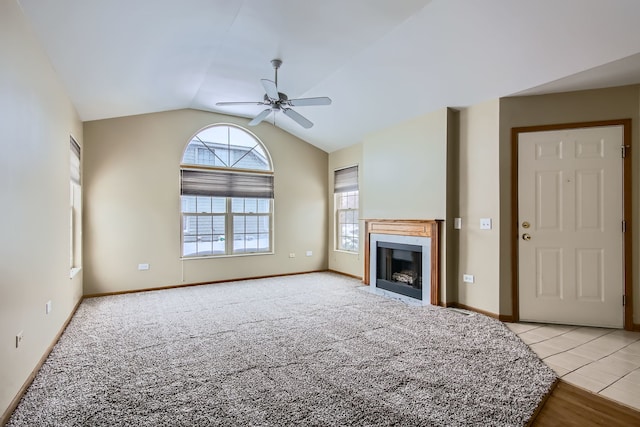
(399,268)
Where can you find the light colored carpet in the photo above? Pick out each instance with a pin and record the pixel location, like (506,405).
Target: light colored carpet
(309,349)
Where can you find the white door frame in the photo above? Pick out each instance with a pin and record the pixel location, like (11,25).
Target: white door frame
(627,213)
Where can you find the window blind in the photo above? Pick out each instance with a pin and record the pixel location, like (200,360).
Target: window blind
(226,184)
(345,180)
(75,161)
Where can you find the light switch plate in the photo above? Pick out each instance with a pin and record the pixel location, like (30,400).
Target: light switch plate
(485,223)
(468,278)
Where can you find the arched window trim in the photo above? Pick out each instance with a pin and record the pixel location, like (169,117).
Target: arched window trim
(253,135)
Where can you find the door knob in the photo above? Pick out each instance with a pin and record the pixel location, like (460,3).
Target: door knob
(526,236)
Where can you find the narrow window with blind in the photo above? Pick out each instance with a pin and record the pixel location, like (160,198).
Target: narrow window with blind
(226,191)
(346,206)
(75,208)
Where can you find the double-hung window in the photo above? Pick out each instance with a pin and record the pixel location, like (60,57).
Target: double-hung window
(346,203)
(226,194)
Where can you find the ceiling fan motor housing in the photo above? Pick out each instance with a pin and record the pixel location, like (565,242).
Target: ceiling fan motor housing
(276,104)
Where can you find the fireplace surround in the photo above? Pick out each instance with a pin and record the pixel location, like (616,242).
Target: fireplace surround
(400,240)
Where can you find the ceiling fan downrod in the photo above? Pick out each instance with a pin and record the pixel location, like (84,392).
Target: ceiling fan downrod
(276,64)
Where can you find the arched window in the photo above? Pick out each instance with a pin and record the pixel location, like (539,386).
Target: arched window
(226,191)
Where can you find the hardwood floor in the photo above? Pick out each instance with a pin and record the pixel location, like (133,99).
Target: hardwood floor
(569,405)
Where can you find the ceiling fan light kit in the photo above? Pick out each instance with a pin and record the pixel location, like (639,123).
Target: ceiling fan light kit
(278,101)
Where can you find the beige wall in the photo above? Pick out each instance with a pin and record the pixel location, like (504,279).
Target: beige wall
(132,204)
(572,107)
(345,262)
(479,180)
(407,174)
(36,118)
(404,170)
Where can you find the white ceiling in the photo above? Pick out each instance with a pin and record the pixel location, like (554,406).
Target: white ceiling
(380,61)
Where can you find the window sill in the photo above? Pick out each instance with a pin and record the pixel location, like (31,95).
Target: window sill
(74,271)
(342,251)
(188,258)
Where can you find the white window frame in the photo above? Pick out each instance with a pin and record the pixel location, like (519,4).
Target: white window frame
(230,233)
(341,234)
(346,186)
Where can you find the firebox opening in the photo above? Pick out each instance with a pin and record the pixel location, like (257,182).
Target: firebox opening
(399,268)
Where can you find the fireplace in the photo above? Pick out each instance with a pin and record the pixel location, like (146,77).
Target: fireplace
(399,268)
(402,258)
(398,264)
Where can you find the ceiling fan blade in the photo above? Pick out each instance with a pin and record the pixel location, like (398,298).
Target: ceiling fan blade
(303,102)
(240,103)
(260,117)
(271,89)
(297,117)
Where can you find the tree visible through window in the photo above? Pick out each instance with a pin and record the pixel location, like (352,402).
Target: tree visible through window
(226,194)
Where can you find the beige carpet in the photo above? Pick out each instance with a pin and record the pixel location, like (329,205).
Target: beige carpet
(309,349)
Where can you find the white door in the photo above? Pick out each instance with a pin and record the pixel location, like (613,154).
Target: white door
(570,211)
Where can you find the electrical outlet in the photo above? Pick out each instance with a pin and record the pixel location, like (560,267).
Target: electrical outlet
(292,254)
(143,267)
(468,278)
(309,253)
(19,339)
(485,223)
(48,307)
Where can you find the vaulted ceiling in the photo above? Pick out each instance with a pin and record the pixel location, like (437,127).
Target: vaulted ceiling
(380,61)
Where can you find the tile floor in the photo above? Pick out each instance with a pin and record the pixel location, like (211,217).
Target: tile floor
(603,361)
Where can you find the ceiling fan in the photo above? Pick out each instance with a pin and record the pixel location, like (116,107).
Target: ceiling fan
(278,101)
